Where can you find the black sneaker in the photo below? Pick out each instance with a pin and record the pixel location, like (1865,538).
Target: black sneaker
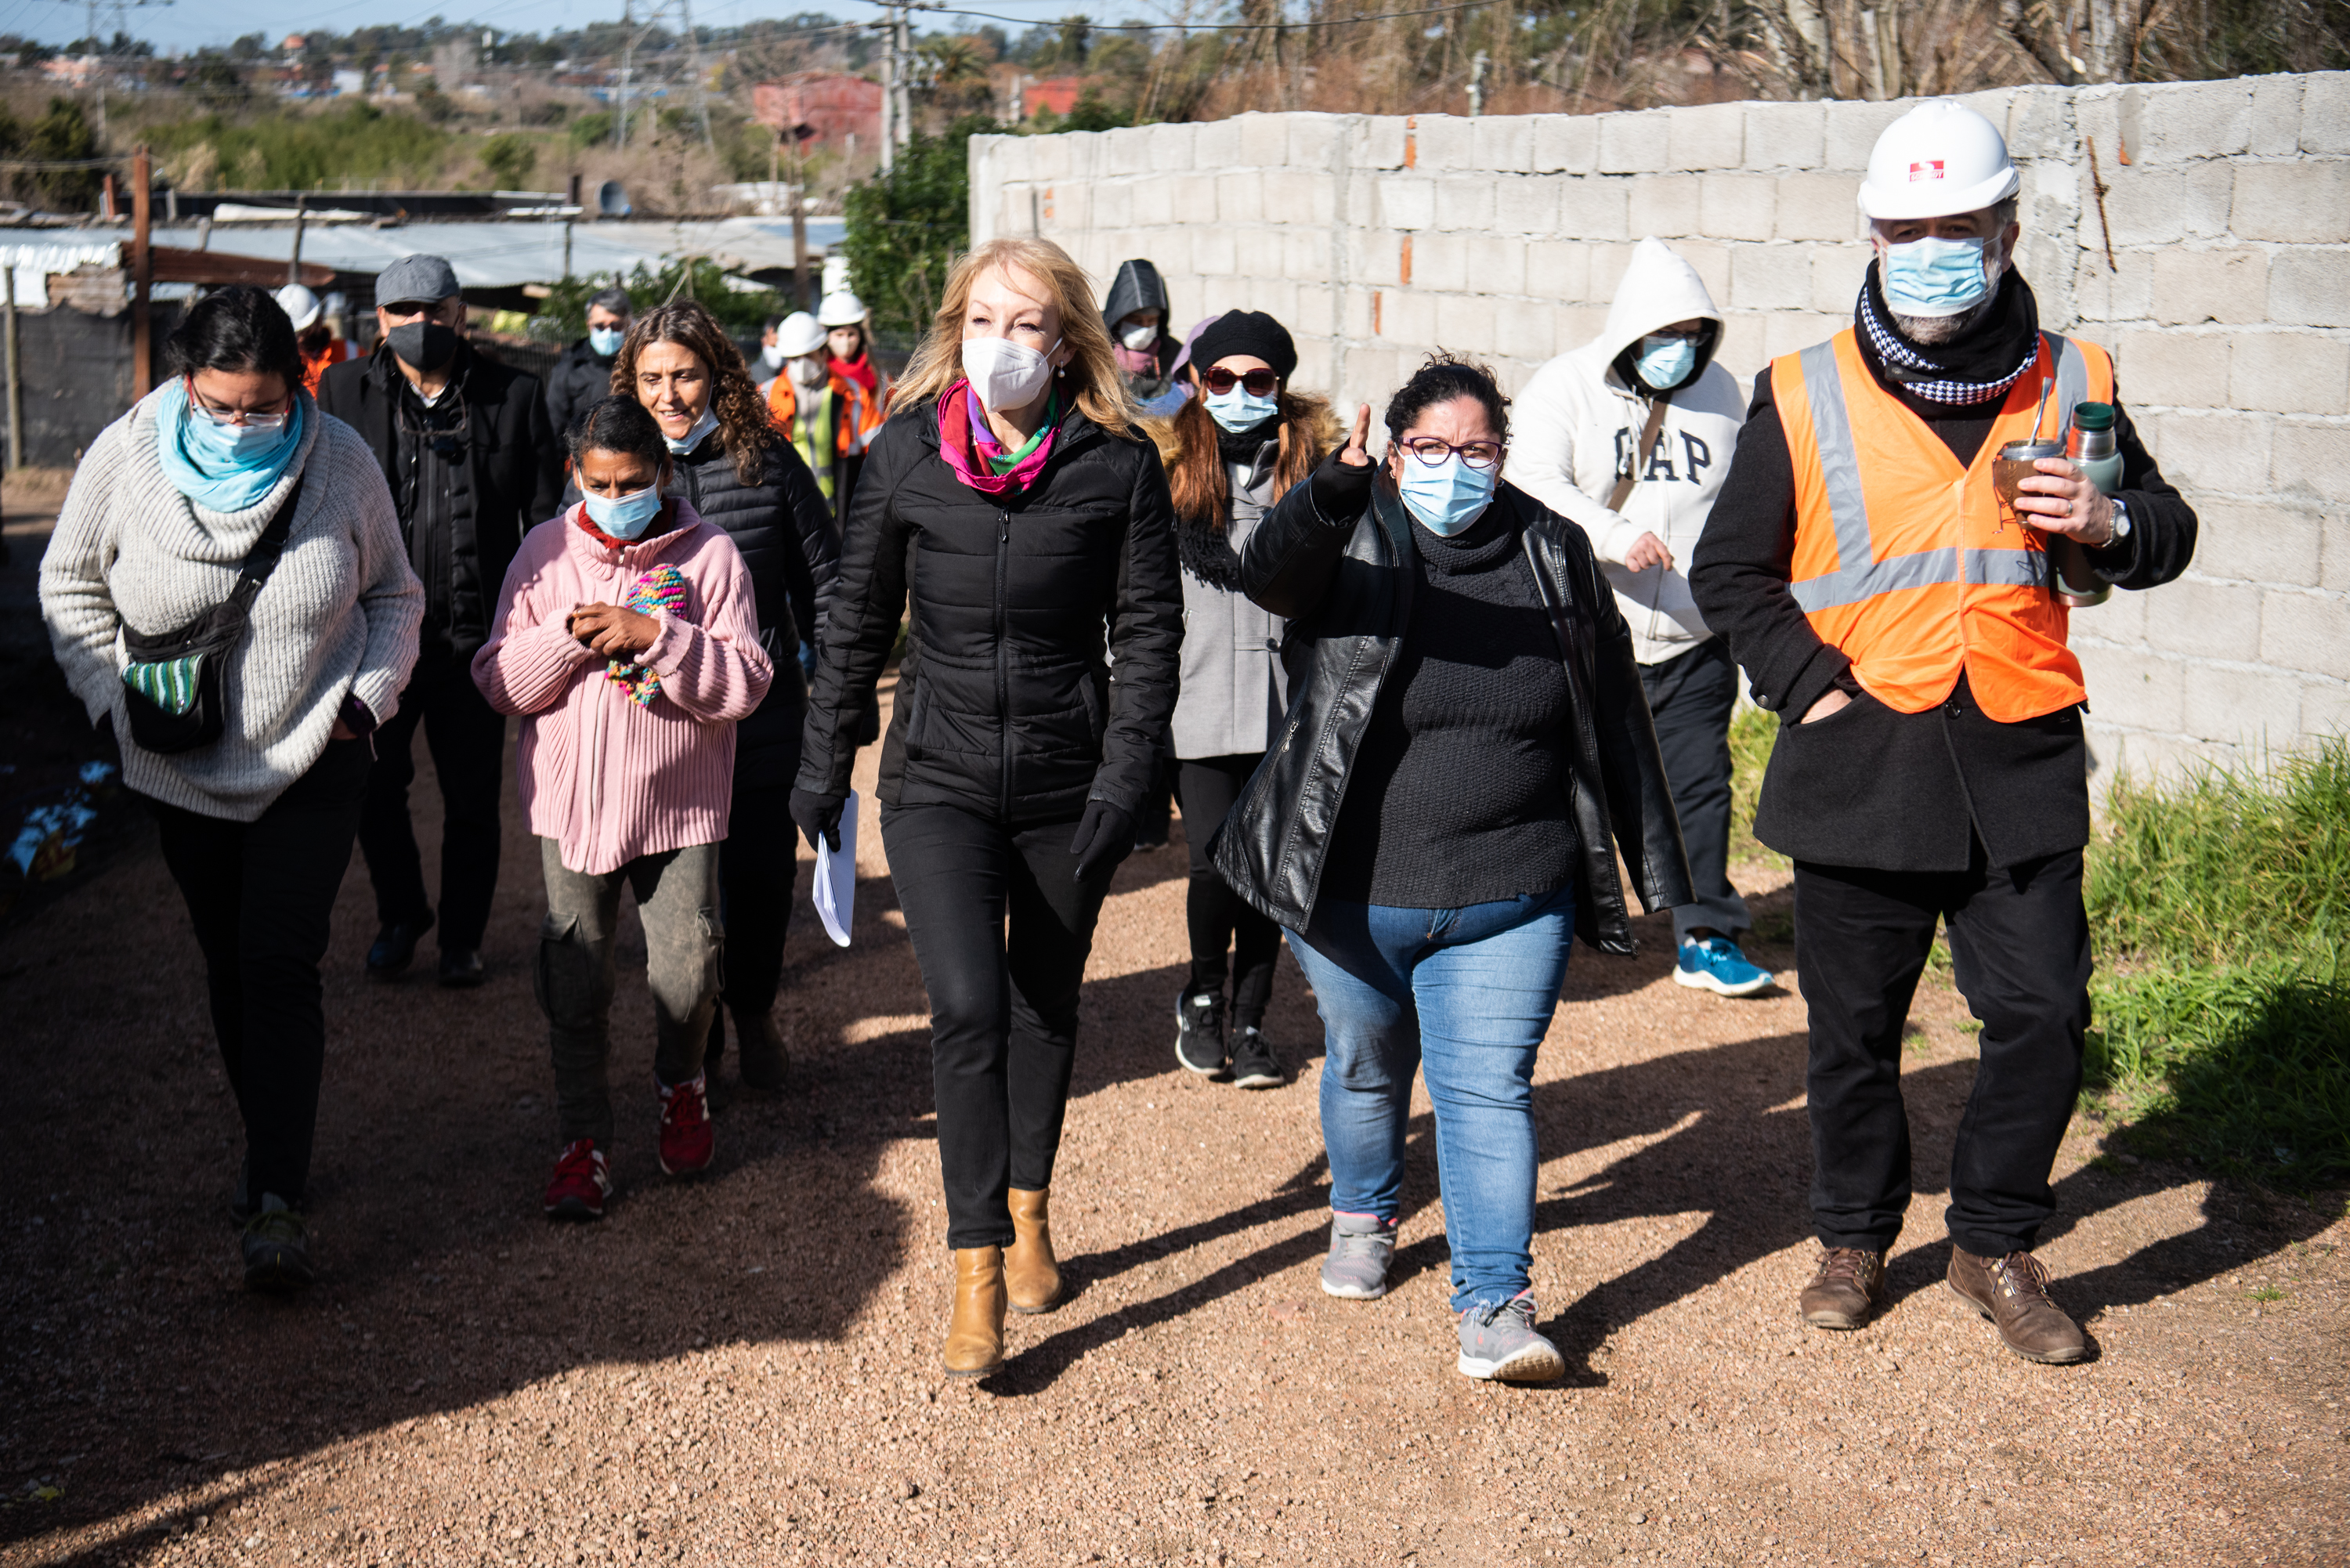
(1200,1033)
(461,969)
(395,948)
(276,1248)
(1254,1066)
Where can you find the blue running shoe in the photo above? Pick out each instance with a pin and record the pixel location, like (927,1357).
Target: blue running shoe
(1715,964)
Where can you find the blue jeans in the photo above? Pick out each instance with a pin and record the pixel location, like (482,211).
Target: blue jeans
(1467,993)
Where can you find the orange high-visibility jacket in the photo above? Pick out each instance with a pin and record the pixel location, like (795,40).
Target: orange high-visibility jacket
(1903,560)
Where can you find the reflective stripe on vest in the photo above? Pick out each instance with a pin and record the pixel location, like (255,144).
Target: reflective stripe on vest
(1976,591)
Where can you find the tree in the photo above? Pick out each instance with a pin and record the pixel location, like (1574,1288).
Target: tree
(905,227)
(510,159)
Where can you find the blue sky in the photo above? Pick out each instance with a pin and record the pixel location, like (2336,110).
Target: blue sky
(192,24)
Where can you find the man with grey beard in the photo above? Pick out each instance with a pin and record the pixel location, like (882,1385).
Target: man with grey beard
(1890,592)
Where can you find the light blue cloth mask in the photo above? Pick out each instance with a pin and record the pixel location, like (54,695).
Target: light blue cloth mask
(681,445)
(1935,277)
(624,516)
(605,341)
(1240,409)
(1446,497)
(226,468)
(1666,362)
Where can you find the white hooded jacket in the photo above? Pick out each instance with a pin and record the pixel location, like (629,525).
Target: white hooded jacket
(1573,427)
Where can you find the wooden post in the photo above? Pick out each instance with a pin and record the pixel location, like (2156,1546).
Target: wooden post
(566,249)
(142,271)
(294,262)
(16,382)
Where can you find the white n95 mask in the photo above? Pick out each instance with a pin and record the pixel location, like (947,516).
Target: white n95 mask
(1005,375)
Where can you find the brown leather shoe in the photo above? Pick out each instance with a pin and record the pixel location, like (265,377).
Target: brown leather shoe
(761,1054)
(2013,1292)
(1844,1288)
(1032,1280)
(975,1334)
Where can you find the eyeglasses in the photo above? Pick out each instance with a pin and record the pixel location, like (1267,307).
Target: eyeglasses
(1260,383)
(1431,452)
(247,416)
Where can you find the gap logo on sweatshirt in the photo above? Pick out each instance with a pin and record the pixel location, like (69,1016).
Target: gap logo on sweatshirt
(1696,456)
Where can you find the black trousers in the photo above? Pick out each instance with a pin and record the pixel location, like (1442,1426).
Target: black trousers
(1218,917)
(2020,954)
(1691,696)
(756,865)
(1004,1008)
(468,738)
(260,896)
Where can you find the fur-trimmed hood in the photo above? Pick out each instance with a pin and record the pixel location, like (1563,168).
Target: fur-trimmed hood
(1320,419)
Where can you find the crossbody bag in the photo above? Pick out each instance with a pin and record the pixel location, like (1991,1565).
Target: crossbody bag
(173,688)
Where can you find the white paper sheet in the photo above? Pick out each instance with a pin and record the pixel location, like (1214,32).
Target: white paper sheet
(836,877)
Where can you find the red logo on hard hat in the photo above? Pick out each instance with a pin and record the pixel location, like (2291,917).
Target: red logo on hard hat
(1931,170)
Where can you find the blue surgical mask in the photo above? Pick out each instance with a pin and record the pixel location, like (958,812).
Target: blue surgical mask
(1446,497)
(624,516)
(1666,362)
(1239,410)
(1935,277)
(225,467)
(605,341)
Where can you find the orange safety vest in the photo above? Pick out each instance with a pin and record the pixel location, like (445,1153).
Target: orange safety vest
(853,433)
(338,349)
(1903,560)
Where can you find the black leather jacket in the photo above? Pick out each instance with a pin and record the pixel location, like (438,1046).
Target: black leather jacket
(1346,586)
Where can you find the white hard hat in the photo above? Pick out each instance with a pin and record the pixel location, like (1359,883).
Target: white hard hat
(1939,160)
(841,310)
(798,335)
(300,303)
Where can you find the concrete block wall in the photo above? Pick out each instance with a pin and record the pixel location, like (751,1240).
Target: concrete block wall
(2226,303)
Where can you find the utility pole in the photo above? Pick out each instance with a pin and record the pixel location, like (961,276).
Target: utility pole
(1477,85)
(905,39)
(142,271)
(628,59)
(889,90)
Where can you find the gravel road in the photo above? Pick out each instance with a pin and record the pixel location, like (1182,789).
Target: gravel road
(744,1369)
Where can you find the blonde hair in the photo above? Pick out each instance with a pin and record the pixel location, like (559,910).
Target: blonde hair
(1090,379)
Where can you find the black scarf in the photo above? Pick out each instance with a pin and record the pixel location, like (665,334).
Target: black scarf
(1199,542)
(1978,366)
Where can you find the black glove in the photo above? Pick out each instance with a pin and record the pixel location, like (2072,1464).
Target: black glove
(819,816)
(1341,490)
(1105,836)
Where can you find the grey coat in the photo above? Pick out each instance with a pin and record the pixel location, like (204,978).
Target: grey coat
(1233,690)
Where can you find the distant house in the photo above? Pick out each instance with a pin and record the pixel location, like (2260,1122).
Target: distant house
(824,109)
(1059,94)
(73,70)
(349,84)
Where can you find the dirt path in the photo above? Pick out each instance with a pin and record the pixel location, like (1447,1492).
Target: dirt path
(744,1369)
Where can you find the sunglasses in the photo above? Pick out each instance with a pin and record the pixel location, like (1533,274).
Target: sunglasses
(1260,383)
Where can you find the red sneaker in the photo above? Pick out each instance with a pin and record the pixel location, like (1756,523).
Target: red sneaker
(687,1140)
(580,1183)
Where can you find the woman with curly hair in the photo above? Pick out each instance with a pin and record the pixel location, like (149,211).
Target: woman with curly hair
(738,475)
(1012,512)
(1231,451)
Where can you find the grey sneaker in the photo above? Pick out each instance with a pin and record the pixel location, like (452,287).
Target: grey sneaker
(1360,1246)
(276,1248)
(1499,1343)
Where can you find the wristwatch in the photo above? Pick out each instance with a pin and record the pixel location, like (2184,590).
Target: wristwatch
(2121,525)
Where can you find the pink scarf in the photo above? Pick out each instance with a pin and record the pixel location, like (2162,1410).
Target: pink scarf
(965,442)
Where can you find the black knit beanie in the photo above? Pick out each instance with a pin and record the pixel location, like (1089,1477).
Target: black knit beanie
(1249,332)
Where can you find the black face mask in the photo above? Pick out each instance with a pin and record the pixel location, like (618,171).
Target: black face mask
(424,344)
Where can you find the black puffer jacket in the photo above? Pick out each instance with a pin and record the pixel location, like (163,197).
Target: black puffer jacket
(578,379)
(1346,588)
(516,468)
(783,528)
(1005,705)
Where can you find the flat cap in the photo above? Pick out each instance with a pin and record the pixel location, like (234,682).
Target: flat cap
(416,278)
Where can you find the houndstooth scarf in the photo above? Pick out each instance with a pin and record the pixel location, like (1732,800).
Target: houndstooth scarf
(1939,375)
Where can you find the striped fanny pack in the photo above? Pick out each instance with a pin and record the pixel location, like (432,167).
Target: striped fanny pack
(172,687)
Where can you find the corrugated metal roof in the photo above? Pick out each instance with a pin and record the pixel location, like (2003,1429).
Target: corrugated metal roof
(503,255)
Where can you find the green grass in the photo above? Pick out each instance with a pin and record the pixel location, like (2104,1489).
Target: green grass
(1752,732)
(2221,910)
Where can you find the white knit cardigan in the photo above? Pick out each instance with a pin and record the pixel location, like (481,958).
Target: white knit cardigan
(337,616)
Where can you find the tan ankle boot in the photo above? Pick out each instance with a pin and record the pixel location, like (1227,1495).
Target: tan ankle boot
(975,1334)
(1032,1279)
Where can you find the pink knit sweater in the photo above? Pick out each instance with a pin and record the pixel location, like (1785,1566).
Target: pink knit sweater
(606,777)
